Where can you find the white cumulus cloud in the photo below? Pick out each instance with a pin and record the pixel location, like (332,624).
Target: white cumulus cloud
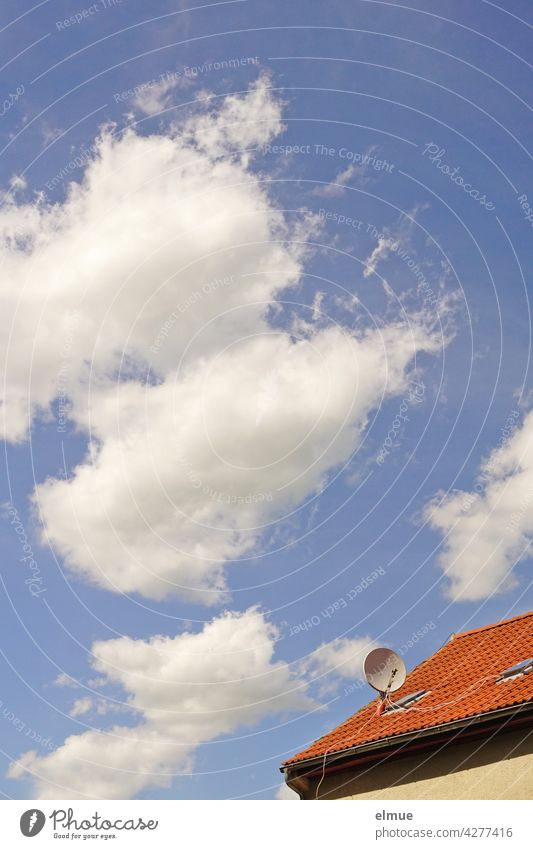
(165,231)
(487,531)
(138,312)
(184,691)
(183,476)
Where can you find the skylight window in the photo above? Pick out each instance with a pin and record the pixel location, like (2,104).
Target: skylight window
(405,702)
(516,671)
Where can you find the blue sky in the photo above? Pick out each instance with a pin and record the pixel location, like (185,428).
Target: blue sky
(342,335)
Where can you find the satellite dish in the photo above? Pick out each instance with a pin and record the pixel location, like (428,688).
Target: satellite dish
(384,670)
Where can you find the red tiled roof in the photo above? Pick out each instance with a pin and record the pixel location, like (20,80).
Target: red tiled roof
(461,680)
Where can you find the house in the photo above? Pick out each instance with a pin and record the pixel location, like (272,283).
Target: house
(460,727)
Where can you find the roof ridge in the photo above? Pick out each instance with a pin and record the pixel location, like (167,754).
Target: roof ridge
(493,625)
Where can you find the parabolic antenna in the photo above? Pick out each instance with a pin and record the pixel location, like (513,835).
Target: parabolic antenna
(384,670)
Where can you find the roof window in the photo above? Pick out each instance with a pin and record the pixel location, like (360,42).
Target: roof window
(405,702)
(516,671)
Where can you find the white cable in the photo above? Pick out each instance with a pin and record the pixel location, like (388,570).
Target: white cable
(442,704)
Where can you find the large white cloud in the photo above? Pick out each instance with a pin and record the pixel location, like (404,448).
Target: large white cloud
(487,531)
(184,475)
(163,231)
(183,691)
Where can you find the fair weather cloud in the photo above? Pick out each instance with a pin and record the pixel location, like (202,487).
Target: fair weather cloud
(184,691)
(486,532)
(89,281)
(131,521)
(163,262)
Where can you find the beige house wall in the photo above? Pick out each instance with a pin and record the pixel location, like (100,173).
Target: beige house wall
(497,768)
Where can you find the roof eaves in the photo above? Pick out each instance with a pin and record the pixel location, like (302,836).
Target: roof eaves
(406,736)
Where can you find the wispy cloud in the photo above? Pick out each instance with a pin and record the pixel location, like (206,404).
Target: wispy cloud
(359,174)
